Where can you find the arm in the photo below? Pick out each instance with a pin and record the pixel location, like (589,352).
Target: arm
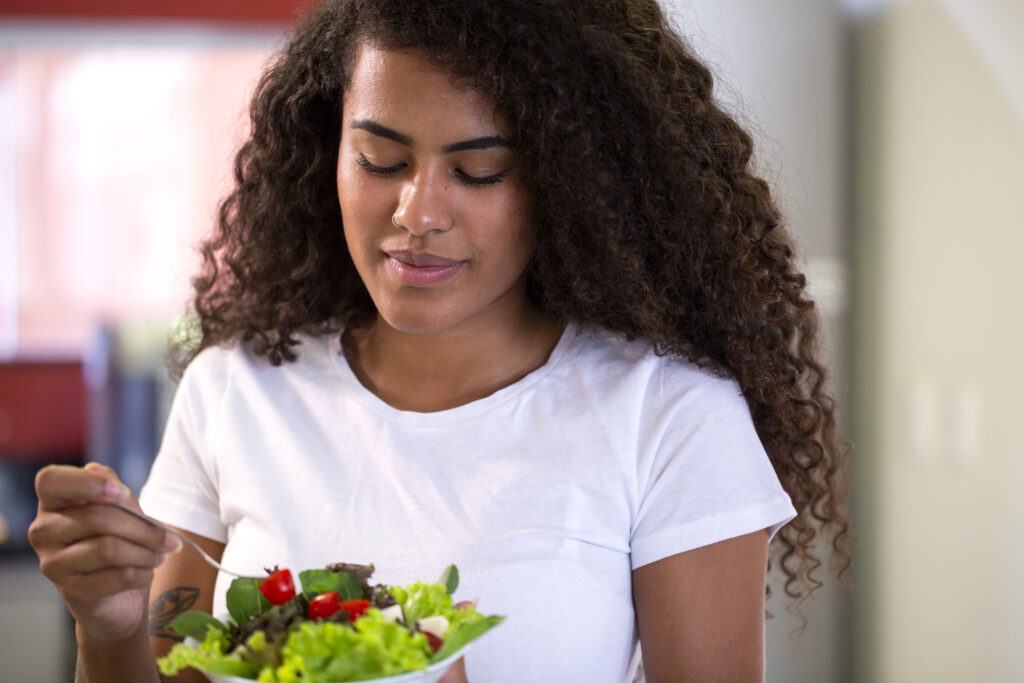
(103,561)
(183,582)
(701,613)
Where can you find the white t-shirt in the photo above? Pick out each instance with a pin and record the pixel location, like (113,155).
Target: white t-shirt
(545,494)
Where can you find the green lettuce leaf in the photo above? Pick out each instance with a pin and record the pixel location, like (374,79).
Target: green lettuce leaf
(461,634)
(322,652)
(421,600)
(208,656)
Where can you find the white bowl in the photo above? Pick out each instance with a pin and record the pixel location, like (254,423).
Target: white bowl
(431,674)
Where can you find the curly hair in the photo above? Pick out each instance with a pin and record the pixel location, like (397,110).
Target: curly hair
(649,219)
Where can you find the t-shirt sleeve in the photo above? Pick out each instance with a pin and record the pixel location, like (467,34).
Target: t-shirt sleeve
(182,486)
(703,475)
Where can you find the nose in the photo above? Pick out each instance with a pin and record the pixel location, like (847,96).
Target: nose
(425,204)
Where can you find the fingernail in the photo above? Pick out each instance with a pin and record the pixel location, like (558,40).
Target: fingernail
(160,559)
(172,543)
(117,490)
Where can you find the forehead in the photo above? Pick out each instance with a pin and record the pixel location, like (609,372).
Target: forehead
(402,87)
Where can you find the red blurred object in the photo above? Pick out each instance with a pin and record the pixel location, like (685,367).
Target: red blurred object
(284,11)
(43,411)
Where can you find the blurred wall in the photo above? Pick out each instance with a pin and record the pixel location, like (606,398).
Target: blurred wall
(940,329)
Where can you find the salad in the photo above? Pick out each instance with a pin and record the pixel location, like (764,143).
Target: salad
(340,627)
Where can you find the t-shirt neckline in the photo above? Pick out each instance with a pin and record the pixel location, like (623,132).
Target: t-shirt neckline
(375,404)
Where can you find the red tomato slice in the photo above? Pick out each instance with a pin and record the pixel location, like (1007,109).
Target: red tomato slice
(355,608)
(278,588)
(324,605)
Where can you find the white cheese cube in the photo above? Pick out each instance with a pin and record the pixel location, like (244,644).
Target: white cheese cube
(436,624)
(392,613)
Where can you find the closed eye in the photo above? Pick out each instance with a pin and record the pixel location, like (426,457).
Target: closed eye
(365,164)
(471,180)
(474,180)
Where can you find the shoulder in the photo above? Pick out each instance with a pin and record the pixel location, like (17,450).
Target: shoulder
(216,367)
(660,380)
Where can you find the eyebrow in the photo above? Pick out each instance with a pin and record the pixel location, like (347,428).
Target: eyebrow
(385,132)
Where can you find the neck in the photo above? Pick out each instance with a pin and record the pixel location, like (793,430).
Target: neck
(432,372)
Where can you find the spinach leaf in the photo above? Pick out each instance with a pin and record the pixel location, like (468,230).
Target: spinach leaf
(244,599)
(450,578)
(195,625)
(316,581)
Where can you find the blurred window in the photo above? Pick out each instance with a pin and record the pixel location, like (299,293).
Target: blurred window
(113,157)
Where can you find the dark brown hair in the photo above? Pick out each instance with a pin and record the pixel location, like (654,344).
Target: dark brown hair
(648,217)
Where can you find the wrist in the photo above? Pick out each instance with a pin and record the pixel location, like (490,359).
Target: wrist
(102,642)
(110,659)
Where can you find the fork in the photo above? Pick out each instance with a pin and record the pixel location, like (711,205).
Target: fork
(209,560)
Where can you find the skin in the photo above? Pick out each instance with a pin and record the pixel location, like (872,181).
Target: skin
(700,613)
(439,346)
(412,144)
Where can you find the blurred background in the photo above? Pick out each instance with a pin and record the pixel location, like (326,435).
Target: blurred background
(892,131)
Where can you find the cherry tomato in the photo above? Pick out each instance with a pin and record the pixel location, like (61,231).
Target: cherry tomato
(355,608)
(324,605)
(432,640)
(279,587)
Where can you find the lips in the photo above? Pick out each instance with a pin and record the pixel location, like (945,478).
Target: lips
(421,270)
(421,260)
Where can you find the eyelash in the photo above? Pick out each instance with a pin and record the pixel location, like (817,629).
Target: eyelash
(469,180)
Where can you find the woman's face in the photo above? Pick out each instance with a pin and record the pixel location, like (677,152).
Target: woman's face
(419,152)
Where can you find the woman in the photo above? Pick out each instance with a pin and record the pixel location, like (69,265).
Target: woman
(495,287)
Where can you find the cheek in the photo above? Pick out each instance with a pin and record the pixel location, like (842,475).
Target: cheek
(349,189)
(362,203)
(516,235)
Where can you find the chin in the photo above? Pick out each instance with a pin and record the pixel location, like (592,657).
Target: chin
(417,322)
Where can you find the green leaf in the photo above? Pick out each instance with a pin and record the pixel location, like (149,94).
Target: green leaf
(464,633)
(244,599)
(195,624)
(316,581)
(229,667)
(450,578)
(349,587)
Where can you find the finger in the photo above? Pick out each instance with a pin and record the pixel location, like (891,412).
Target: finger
(76,524)
(60,486)
(110,474)
(100,469)
(90,588)
(102,552)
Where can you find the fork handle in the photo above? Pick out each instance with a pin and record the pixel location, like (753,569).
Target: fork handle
(159,525)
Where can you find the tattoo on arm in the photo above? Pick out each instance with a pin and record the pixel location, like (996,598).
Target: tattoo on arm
(169,605)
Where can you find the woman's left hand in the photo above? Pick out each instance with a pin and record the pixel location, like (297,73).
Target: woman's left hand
(456,673)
